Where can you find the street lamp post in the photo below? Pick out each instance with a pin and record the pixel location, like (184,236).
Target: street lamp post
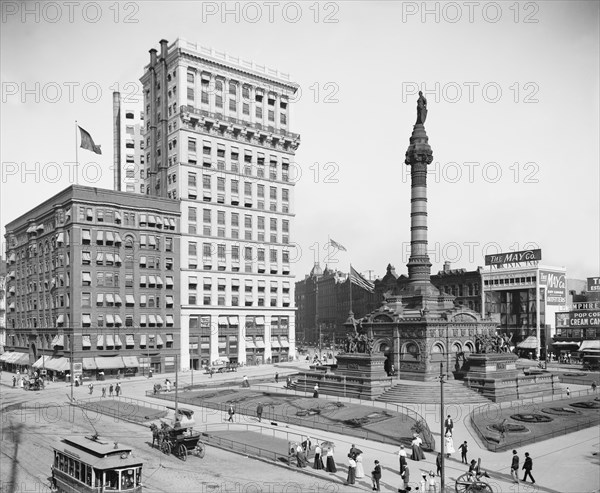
(442,479)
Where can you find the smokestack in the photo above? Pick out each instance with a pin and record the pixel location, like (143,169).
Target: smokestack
(117,140)
(152,117)
(162,170)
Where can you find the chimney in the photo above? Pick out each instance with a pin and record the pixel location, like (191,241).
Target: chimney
(446,266)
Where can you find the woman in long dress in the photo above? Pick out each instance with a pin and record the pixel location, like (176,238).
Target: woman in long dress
(330,462)
(318,463)
(351,479)
(360,471)
(417,451)
(448,444)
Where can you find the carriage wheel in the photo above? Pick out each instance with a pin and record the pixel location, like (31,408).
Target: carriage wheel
(165,447)
(183,453)
(479,487)
(200,450)
(463,483)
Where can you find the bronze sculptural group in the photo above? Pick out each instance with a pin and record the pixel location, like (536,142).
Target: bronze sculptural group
(492,344)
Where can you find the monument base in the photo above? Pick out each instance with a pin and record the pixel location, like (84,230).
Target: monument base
(496,377)
(357,375)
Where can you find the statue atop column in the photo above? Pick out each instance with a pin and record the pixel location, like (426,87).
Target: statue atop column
(421,109)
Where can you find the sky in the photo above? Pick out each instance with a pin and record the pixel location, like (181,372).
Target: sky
(513,120)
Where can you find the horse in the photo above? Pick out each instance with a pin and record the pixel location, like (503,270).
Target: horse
(156,436)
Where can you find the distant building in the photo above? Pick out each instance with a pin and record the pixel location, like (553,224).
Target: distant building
(93,280)
(128,145)
(323,305)
(2,304)
(217,139)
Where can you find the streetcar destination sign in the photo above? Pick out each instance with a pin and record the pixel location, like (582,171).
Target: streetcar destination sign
(513,257)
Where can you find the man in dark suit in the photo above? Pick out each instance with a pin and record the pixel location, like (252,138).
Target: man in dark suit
(527,467)
(376,476)
(449,424)
(514,467)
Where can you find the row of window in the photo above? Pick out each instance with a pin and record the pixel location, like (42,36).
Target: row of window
(115,299)
(250,253)
(115,320)
(235,300)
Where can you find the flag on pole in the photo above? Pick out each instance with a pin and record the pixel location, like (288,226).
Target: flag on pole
(356,278)
(87,142)
(335,244)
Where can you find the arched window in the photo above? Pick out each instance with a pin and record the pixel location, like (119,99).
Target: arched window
(129,242)
(469,347)
(437,352)
(410,352)
(456,347)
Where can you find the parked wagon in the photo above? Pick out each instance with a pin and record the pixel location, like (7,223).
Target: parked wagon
(179,438)
(467,483)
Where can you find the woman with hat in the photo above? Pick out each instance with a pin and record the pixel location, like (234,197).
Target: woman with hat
(417,451)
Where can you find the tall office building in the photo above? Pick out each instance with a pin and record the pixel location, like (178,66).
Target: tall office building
(128,144)
(217,138)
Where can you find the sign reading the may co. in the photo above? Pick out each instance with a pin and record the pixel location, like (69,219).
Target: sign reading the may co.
(556,287)
(513,257)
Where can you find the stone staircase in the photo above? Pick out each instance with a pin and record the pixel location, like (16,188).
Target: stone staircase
(429,393)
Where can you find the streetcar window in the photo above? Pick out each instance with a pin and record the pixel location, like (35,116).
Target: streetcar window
(88,475)
(112,479)
(138,476)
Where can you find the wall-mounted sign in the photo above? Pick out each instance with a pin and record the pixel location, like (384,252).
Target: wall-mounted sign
(593,283)
(556,287)
(580,319)
(513,257)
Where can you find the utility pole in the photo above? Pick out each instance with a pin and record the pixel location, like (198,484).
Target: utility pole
(442,375)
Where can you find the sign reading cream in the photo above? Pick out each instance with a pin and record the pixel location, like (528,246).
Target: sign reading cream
(513,257)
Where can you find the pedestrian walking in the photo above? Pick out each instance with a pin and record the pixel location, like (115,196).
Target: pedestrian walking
(276,377)
(301,458)
(318,463)
(245,382)
(330,464)
(288,382)
(514,467)
(449,425)
(118,389)
(417,451)
(360,470)
(351,478)
(405,478)
(111,390)
(402,458)
(594,385)
(91,387)
(259,411)
(463,452)
(354,451)
(231,412)
(438,464)
(316,391)
(528,467)
(168,385)
(376,476)
(14,381)
(448,444)
(568,392)
(104,391)
(431,483)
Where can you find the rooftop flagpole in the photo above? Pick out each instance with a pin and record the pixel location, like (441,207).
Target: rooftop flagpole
(76,156)
(350,279)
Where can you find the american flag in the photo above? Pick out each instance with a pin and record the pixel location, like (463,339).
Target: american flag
(356,278)
(337,245)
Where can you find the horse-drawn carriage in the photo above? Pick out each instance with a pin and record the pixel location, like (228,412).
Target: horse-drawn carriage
(34,383)
(178,438)
(470,482)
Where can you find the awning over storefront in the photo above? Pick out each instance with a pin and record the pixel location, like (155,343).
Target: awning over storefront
(565,343)
(587,345)
(15,358)
(131,362)
(530,343)
(41,362)
(260,343)
(275,343)
(109,362)
(250,343)
(89,364)
(58,364)
(285,342)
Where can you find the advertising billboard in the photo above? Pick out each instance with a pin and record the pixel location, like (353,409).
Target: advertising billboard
(593,284)
(556,287)
(578,319)
(513,257)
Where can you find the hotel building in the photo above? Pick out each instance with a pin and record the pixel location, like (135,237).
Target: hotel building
(93,280)
(217,139)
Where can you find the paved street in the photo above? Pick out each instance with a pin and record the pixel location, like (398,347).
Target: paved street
(574,452)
